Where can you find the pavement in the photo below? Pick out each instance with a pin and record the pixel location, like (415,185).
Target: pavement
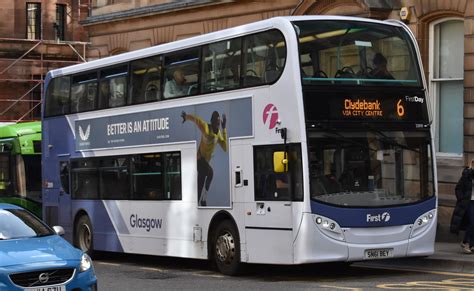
(448,258)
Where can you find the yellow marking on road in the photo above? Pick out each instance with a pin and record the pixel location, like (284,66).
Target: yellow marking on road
(108,264)
(151,269)
(449,284)
(339,287)
(416,270)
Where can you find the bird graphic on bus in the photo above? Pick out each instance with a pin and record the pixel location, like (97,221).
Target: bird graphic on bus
(84,135)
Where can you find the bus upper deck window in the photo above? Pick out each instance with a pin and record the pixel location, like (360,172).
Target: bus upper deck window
(84,92)
(113,87)
(221,69)
(264,59)
(57,97)
(181,74)
(145,80)
(356,53)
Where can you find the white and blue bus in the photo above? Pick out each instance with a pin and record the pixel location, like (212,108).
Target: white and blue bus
(287,141)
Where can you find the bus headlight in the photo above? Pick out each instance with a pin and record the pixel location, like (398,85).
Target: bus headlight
(329,227)
(422,223)
(86,263)
(319,220)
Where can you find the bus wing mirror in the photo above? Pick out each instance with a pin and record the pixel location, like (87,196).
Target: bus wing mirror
(280,162)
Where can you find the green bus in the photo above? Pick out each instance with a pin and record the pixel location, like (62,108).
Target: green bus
(20,165)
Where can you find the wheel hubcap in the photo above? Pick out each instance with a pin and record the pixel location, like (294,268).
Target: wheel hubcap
(85,237)
(225,248)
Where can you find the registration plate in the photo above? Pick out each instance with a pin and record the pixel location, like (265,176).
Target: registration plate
(49,288)
(374,254)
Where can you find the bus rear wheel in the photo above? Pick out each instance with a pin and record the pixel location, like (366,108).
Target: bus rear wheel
(83,234)
(226,248)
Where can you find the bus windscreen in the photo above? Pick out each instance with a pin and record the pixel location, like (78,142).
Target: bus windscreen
(370,168)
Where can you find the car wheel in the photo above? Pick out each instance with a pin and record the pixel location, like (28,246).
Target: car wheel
(83,235)
(226,248)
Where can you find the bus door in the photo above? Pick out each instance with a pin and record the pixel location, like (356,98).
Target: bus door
(65,215)
(5,181)
(268,208)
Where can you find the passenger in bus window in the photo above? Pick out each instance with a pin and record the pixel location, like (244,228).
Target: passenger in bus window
(211,134)
(177,85)
(117,96)
(380,70)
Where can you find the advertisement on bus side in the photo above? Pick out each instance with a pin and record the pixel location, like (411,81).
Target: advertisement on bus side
(210,125)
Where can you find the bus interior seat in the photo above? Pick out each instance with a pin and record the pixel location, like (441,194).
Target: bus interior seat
(250,80)
(152,91)
(320,74)
(192,90)
(271,75)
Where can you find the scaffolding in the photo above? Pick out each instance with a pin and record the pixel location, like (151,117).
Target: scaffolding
(26,62)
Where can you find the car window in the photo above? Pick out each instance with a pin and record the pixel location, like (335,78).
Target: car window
(18,223)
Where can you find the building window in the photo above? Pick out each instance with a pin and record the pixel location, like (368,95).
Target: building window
(33,21)
(446,84)
(60,23)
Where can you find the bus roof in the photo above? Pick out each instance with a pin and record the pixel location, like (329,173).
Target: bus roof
(203,39)
(20,129)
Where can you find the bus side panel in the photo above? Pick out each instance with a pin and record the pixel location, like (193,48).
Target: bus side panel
(152,227)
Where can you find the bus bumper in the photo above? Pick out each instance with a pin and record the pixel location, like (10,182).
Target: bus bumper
(358,244)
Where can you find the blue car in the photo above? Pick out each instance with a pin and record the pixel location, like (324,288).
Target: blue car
(34,257)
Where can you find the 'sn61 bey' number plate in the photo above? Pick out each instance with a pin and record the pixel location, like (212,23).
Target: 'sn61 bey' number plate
(374,254)
(49,288)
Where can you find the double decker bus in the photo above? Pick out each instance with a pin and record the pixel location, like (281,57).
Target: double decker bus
(287,141)
(20,165)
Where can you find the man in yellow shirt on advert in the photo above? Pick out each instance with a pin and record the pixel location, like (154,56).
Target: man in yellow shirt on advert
(211,134)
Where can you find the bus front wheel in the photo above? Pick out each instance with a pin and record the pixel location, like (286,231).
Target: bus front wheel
(83,234)
(226,248)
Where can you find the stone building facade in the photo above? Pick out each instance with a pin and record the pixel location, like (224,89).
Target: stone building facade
(444,30)
(35,37)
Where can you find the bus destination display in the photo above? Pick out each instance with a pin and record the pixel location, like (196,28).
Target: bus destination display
(380,108)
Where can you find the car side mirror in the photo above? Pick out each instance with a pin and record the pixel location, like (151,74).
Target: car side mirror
(59,230)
